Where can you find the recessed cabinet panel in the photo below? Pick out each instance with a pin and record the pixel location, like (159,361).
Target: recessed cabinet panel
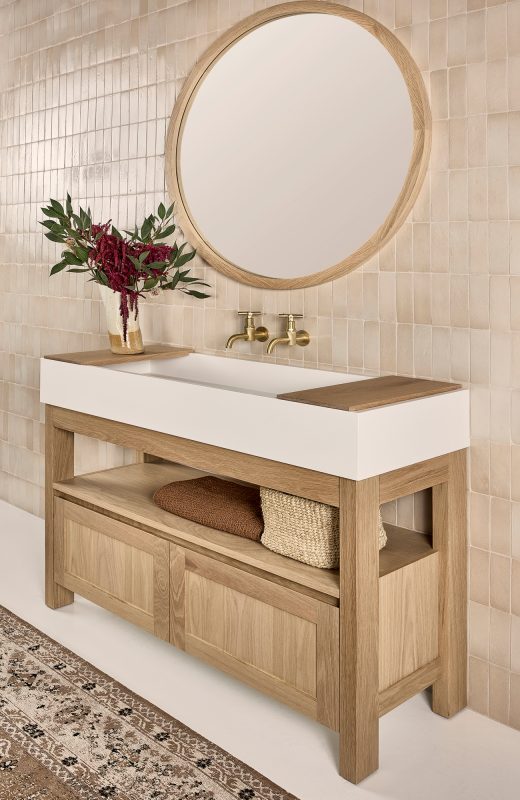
(109,565)
(271,637)
(254,633)
(115,565)
(408,619)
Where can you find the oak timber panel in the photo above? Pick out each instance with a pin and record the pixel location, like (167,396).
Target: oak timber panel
(359,621)
(229,463)
(259,680)
(263,634)
(177,595)
(296,603)
(114,565)
(254,633)
(403,547)
(414,478)
(370,393)
(409,686)
(408,620)
(327,666)
(59,465)
(126,493)
(109,565)
(103,358)
(450,538)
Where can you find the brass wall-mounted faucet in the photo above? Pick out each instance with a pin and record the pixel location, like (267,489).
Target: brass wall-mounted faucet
(292,336)
(251,333)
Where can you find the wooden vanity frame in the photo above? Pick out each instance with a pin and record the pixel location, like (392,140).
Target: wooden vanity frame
(360,702)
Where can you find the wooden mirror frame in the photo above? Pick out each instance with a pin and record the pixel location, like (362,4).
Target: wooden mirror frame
(416,170)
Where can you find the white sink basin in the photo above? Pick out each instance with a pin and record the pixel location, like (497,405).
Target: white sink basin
(250,377)
(232,403)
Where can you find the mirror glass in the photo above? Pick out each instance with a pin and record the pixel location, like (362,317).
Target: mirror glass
(294,146)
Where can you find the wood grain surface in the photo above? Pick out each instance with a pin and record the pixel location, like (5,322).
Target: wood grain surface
(408,620)
(217,460)
(370,393)
(115,565)
(125,493)
(59,465)
(105,358)
(359,629)
(450,530)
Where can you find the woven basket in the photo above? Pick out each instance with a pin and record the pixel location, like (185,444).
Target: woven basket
(303,529)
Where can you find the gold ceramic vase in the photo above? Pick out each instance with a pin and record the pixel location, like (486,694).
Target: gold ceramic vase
(134,341)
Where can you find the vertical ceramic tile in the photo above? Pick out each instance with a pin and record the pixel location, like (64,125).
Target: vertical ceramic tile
(500,638)
(499,694)
(479,576)
(501,526)
(514,701)
(479,630)
(457,32)
(515,644)
(479,520)
(478,685)
(500,582)
(515,587)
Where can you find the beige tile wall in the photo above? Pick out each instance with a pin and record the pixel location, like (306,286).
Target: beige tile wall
(86,91)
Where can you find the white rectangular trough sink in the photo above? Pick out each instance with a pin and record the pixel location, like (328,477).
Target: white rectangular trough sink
(232,403)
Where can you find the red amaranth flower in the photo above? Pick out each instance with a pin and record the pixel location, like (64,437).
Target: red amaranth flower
(112,256)
(132,265)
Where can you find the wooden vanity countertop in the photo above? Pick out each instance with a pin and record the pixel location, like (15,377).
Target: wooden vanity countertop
(370,393)
(105,358)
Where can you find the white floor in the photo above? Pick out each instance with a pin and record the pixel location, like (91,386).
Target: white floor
(423,757)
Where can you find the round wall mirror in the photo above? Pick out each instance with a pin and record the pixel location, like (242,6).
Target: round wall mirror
(298,145)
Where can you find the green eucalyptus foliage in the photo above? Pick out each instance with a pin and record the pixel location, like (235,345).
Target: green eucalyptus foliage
(80,236)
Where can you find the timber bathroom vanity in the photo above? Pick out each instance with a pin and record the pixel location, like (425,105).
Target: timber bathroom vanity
(276,197)
(342,646)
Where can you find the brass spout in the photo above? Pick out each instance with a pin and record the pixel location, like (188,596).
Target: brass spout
(235,338)
(274,342)
(292,336)
(251,332)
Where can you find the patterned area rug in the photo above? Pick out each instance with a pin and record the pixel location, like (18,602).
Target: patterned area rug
(69,731)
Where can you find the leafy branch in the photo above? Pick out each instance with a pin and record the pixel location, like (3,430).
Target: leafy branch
(133,262)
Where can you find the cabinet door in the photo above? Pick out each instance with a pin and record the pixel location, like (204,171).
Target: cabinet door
(273,638)
(115,565)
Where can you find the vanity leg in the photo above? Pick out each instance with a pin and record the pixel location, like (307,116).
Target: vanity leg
(59,465)
(449,538)
(359,629)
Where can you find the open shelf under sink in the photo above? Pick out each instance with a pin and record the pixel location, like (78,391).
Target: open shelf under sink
(125,493)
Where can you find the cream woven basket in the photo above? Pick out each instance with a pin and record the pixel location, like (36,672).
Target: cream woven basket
(303,529)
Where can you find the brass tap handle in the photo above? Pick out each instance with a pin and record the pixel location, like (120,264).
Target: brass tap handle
(249,325)
(291,327)
(249,314)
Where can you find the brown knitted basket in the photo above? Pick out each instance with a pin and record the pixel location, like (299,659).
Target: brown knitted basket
(303,529)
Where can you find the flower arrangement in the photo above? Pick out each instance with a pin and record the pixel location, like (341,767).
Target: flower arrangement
(132,264)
